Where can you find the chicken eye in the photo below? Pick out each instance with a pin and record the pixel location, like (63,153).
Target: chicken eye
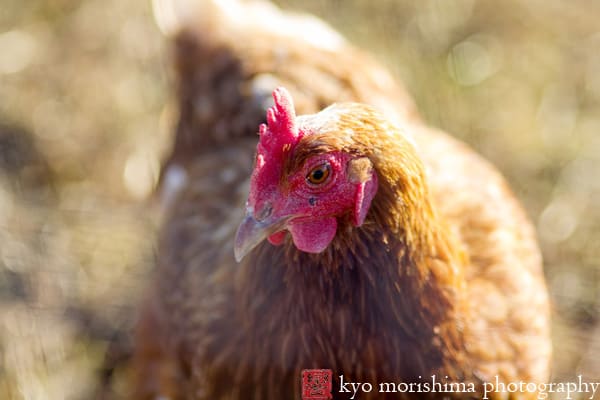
(319,174)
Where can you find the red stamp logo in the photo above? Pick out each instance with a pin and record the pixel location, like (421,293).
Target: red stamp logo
(316,384)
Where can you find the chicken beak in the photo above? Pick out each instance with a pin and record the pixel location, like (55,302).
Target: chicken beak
(252,232)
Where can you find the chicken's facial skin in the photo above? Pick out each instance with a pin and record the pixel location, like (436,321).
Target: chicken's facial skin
(302,192)
(314,197)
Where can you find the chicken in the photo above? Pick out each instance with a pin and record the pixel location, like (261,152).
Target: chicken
(372,245)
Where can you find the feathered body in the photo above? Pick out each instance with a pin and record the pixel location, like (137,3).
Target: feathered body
(443,277)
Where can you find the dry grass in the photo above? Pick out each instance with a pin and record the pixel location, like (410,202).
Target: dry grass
(83,88)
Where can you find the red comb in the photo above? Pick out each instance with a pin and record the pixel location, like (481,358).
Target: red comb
(282,131)
(279,136)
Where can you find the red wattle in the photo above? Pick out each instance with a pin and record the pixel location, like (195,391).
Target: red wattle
(277,238)
(313,236)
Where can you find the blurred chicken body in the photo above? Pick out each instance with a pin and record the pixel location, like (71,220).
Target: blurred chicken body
(421,263)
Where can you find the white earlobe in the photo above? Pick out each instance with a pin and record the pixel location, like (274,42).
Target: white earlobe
(365,193)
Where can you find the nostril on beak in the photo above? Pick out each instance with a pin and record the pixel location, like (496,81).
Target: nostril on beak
(264,213)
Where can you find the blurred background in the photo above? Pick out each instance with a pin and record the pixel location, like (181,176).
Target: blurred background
(86,115)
